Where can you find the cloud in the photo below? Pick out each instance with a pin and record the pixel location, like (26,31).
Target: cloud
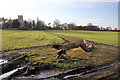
(94,20)
(66,1)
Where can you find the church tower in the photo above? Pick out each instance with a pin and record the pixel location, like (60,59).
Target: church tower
(20,19)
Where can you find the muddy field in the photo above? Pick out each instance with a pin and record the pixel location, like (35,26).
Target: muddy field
(41,62)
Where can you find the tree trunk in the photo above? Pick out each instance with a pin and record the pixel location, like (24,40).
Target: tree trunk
(62,48)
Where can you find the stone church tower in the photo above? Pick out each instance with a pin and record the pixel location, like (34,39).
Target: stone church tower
(20,19)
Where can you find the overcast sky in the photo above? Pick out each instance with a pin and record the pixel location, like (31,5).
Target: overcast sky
(81,12)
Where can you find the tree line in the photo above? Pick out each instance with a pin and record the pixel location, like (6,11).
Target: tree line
(56,25)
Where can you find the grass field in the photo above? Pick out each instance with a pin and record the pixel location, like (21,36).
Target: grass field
(12,39)
(105,37)
(46,57)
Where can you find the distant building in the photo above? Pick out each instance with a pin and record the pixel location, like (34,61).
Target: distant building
(20,19)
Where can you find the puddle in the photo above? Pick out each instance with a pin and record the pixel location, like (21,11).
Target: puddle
(52,79)
(76,75)
(49,73)
(9,73)
(3,61)
(43,74)
(19,78)
(109,65)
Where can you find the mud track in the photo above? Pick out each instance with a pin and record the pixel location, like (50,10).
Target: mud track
(60,36)
(42,38)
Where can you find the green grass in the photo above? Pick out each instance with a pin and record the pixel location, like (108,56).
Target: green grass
(105,37)
(12,39)
(46,57)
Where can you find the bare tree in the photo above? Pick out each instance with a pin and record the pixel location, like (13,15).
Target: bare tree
(92,27)
(40,24)
(89,24)
(33,24)
(56,24)
(115,29)
(71,25)
(108,28)
(64,26)
(102,28)
(49,24)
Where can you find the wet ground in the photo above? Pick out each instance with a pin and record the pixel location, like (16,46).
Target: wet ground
(98,72)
